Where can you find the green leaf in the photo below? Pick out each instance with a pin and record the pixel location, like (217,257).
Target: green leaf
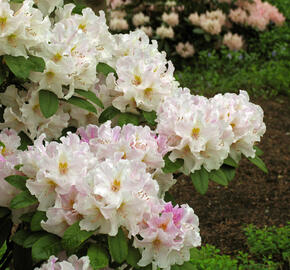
(82,103)
(74,237)
(18,66)
(169,198)
(133,257)
(219,177)
(200,180)
(90,96)
(32,238)
(150,117)
(259,152)
(105,69)
(207,37)
(27,217)
(48,102)
(4,212)
(20,236)
(36,220)
(78,8)
(108,114)
(171,167)
(259,163)
(23,200)
(2,144)
(118,246)
(36,64)
(18,181)
(229,161)
(25,141)
(46,246)
(18,166)
(198,31)
(3,250)
(184,266)
(98,256)
(128,118)
(21,66)
(229,172)
(17,1)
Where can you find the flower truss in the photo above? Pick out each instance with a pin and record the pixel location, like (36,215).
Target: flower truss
(134,130)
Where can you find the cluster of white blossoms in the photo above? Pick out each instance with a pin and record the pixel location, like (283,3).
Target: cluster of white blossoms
(105,181)
(72,263)
(204,132)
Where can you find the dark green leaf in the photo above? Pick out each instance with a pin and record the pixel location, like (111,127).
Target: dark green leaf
(18,65)
(32,238)
(133,257)
(105,69)
(90,96)
(2,144)
(82,103)
(98,256)
(48,102)
(78,9)
(27,217)
(259,152)
(74,237)
(3,73)
(169,198)
(128,118)
(229,172)
(118,246)
(46,246)
(23,200)
(229,161)
(36,220)
(259,163)
(18,166)
(18,181)
(219,177)
(21,66)
(150,117)
(25,141)
(108,114)
(200,180)
(36,64)
(4,212)
(20,236)
(171,167)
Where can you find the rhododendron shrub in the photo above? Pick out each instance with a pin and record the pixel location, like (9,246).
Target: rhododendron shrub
(95,130)
(198,24)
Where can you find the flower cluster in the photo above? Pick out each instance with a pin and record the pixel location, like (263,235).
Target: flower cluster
(72,263)
(208,20)
(9,142)
(203,132)
(106,180)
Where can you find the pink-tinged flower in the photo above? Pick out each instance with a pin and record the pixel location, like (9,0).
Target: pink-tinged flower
(172,19)
(131,142)
(194,18)
(72,263)
(233,41)
(8,159)
(165,32)
(245,120)
(185,50)
(238,15)
(140,19)
(194,132)
(168,233)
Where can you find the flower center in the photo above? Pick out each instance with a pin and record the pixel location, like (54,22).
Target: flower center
(116,185)
(195,132)
(62,167)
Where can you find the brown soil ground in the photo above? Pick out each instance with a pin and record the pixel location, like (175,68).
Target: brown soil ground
(253,197)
